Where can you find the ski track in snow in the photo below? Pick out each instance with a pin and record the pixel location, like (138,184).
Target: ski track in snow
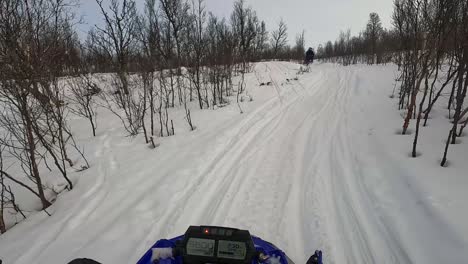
(289,170)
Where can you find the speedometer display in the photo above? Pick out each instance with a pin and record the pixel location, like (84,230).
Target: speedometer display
(200,247)
(214,244)
(231,249)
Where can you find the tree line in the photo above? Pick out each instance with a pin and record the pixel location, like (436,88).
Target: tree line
(429,43)
(373,45)
(137,64)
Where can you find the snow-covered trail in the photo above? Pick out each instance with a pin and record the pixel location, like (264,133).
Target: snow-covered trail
(302,168)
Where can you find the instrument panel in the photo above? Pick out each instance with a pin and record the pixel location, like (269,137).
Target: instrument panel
(209,244)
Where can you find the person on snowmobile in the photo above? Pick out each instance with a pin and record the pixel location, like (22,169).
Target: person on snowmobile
(309,58)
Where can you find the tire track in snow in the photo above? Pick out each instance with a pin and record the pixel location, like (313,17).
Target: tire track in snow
(178,214)
(222,208)
(316,137)
(258,116)
(355,226)
(244,178)
(233,154)
(348,224)
(78,212)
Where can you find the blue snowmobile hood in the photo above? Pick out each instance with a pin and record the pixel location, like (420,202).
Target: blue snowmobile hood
(265,247)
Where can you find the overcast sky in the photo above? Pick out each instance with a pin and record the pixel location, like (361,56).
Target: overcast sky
(322,20)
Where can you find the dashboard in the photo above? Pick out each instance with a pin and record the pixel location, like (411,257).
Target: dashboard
(210,244)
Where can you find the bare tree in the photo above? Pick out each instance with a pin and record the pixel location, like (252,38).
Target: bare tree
(8,203)
(261,40)
(244,23)
(221,46)
(118,40)
(83,93)
(438,28)
(3,198)
(36,41)
(299,48)
(197,48)
(279,38)
(149,59)
(177,15)
(117,36)
(16,119)
(373,33)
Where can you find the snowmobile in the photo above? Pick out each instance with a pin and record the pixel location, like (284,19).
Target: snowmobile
(213,244)
(309,57)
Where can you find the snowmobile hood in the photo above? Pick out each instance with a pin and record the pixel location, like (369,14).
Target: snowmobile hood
(265,252)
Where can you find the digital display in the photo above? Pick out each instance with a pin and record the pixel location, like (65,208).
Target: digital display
(201,247)
(231,249)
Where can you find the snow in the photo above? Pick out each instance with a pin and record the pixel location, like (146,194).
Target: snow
(312,163)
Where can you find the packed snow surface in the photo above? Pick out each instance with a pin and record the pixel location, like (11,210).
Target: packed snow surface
(312,163)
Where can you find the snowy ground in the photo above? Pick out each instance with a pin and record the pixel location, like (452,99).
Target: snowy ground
(312,163)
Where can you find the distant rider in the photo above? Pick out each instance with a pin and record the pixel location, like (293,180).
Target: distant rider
(309,58)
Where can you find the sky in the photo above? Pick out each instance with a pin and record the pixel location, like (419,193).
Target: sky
(322,20)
